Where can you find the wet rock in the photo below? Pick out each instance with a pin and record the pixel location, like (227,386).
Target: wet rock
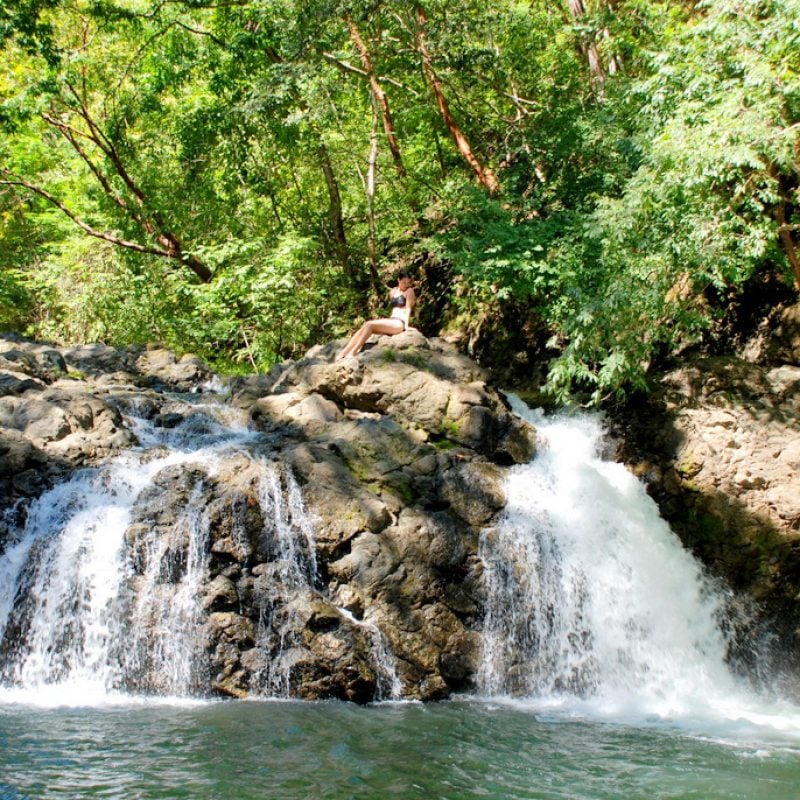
(339,560)
(718,447)
(473,491)
(220,594)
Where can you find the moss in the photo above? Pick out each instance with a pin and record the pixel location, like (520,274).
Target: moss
(413,357)
(689,467)
(708,525)
(450,428)
(357,469)
(405,491)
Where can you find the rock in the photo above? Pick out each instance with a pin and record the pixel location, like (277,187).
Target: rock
(338,551)
(43,363)
(426,388)
(777,340)
(474,491)
(719,446)
(219,594)
(15,383)
(787,336)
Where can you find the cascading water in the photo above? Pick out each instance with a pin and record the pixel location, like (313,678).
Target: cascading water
(389,687)
(76,615)
(287,581)
(594,605)
(102,594)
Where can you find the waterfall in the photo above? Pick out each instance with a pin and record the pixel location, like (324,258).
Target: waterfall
(104,590)
(77,617)
(286,582)
(593,602)
(96,602)
(390,687)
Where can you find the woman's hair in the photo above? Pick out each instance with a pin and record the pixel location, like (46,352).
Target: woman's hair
(403,273)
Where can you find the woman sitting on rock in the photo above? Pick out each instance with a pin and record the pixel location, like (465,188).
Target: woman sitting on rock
(402,299)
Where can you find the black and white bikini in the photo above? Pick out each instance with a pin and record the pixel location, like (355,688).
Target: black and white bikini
(399,301)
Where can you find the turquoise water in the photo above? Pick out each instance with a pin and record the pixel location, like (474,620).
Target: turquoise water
(454,750)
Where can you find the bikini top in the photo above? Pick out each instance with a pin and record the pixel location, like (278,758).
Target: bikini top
(398,301)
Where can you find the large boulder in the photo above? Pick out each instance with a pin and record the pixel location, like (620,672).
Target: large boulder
(400,454)
(435,394)
(333,554)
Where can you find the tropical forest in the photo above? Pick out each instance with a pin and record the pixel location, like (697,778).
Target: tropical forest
(606,181)
(400,399)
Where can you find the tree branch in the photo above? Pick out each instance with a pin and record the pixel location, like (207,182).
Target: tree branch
(108,237)
(379,96)
(785,235)
(346,66)
(485,176)
(171,246)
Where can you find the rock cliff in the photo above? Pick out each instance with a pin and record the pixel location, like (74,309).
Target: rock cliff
(718,443)
(398,455)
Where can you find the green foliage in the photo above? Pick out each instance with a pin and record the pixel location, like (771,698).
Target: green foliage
(239,137)
(27,22)
(270,304)
(498,253)
(717,135)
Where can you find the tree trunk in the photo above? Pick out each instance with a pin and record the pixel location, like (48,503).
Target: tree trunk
(372,246)
(588,47)
(379,94)
(785,234)
(336,220)
(484,175)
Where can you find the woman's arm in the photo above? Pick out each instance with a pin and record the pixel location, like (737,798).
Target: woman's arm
(411,301)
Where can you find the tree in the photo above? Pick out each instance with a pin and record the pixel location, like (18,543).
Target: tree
(94,117)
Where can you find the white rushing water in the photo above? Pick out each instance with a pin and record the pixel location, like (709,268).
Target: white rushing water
(596,609)
(98,605)
(93,607)
(78,624)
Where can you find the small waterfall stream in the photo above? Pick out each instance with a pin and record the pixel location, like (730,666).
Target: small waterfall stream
(290,577)
(95,604)
(77,615)
(594,605)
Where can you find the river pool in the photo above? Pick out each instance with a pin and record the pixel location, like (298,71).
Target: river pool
(453,750)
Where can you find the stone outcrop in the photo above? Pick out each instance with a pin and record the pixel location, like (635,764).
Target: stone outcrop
(58,410)
(718,444)
(399,455)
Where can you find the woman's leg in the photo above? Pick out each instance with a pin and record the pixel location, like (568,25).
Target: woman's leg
(348,348)
(386,327)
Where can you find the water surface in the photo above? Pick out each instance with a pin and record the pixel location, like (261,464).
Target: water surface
(469,749)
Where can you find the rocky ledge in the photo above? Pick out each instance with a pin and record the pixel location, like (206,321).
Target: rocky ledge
(399,454)
(718,444)
(57,409)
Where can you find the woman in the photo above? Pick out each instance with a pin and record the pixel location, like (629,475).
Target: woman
(402,300)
